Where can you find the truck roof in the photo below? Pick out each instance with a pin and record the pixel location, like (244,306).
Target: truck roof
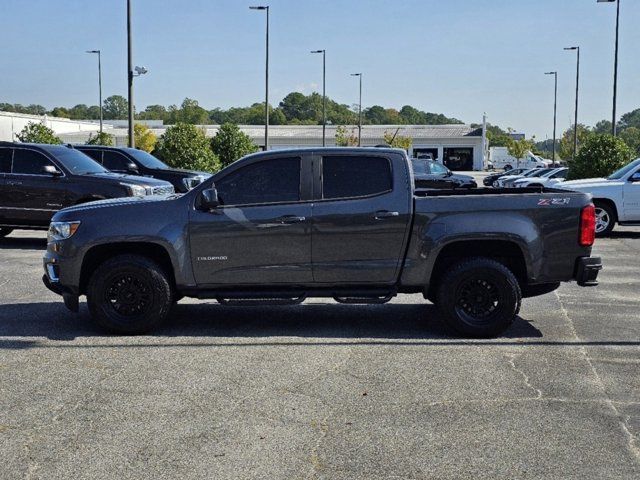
(321,150)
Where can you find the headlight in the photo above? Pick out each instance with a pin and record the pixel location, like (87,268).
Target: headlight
(62,230)
(193,182)
(135,190)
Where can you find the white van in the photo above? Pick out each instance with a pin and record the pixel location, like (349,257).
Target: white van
(500,159)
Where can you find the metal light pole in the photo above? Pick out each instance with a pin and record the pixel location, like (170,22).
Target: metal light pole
(99,84)
(575,127)
(266,95)
(130,75)
(555,111)
(324,94)
(614,128)
(359,109)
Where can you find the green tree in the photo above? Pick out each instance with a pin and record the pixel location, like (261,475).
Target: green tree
(345,138)
(101,138)
(153,112)
(38,133)
(599,156)
(230,144)
(189,112)
(186,146)
(397,141)
(631,136)
(144,138)
(603,126)
(566,142)
(116,107)
(519,149)
(631,119)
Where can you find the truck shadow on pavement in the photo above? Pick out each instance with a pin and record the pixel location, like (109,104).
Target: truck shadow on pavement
(378,323)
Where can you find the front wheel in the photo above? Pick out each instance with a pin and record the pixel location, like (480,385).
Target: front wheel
(605,219)
(129,294)
(4,231)
(479,297)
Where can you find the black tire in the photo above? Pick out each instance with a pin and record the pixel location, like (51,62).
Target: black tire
(129,294)
(605,218)
(4,231)
(479,297)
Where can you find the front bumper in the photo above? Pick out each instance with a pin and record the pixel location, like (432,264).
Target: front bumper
(587,269)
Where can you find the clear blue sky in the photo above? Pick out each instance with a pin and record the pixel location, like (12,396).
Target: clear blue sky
(457,57)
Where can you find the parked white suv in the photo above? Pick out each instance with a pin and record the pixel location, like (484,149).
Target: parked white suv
(617,198)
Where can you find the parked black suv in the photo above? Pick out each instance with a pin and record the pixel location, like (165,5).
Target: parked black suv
(37,180)
(138,162)
(431,174)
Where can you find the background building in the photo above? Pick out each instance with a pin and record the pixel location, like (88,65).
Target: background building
(460,147)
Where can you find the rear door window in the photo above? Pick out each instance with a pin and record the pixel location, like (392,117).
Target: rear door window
(5,160)
(268,181)
(29,162)
(115,161)
(355,176)
(95,154)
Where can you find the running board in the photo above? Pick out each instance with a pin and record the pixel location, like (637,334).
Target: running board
(364,300)
(254,301)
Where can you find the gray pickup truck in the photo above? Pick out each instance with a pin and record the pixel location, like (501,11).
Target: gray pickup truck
(345,223)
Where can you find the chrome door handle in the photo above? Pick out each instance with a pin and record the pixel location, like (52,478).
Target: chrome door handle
(382,214)
(291,219)
(13,182)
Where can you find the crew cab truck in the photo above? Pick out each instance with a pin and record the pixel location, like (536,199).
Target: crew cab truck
(345,223)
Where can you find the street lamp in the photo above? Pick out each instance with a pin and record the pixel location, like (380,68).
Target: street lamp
(324,94)
(266,81)
(130,76)
(99,84)
(575,127)
(614,129)
(555,110)
(359,109)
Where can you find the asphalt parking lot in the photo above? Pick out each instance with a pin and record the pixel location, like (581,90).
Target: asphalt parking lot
(322,390)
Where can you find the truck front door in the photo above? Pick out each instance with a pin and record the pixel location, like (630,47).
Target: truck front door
(631,197)
(261,232)
(360,218)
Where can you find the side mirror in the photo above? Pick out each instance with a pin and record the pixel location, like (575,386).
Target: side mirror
(635,177)
(208,199)
(132,168)
(51,170)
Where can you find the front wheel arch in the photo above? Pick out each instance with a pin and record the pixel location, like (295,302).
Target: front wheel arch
(610,207)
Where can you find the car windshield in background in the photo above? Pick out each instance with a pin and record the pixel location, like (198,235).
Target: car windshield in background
(540,172)
(617,175)
(75,161)
(438,169)
(146,159)
(419,166)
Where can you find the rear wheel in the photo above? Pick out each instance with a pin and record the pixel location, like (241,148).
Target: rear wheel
(4,231)
(129,294)
(479,297)
(605,218)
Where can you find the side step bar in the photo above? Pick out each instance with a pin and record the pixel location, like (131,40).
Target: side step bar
(244,302)
(364,300)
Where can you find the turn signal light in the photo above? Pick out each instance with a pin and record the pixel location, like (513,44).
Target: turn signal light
(588,225)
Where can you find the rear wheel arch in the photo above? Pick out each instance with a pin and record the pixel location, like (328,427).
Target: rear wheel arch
(99,254)
(506,252)
(608,202)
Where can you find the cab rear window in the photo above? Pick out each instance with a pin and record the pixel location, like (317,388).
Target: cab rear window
(355,176)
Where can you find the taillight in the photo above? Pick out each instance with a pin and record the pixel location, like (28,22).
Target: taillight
(588,225)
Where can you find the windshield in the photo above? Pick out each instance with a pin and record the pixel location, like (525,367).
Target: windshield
(75,161)
(438,169)
(531,172)
(540,172)
(617,175)
(146,159)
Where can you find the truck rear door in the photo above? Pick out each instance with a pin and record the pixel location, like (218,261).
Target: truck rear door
(361,214)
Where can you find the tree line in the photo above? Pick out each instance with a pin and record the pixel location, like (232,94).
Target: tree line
(294,109)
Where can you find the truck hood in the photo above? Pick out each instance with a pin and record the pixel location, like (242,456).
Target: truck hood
(133,179)
(589,183)
(119,203)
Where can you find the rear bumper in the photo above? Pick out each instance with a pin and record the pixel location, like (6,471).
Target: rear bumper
(587,269)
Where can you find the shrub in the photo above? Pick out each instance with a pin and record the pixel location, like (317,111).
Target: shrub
(38,133)
(599,156)
(144,138)
(101,138)
(230,144)
(186,146)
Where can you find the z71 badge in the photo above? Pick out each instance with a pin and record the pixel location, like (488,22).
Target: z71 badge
(547,202)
